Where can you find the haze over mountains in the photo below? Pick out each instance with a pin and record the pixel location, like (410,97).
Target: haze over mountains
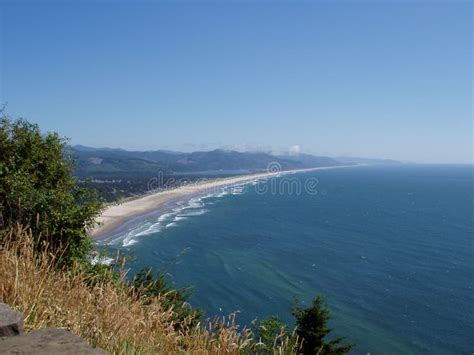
(106,161)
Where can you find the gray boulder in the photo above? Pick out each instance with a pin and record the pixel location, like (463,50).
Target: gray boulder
(11,322)
(43,341)
(47,341)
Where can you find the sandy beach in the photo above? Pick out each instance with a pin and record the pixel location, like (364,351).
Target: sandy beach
(114,216)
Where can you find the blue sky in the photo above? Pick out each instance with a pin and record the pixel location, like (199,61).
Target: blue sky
(385,80)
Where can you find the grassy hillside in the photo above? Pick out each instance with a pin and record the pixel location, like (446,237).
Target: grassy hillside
(107,312)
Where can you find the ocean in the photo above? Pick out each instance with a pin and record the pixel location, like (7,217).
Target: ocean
(391,248)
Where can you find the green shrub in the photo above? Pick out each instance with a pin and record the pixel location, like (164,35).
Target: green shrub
(38,190)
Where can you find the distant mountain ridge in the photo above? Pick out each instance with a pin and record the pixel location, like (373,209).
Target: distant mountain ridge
(371,161)
(99,161)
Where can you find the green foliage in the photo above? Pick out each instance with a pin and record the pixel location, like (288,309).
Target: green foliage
(149,286)
(312,328)
(38,190)
(272,333)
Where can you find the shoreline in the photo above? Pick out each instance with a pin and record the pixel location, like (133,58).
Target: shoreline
(116,216)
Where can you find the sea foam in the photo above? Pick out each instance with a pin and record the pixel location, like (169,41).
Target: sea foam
(184,210)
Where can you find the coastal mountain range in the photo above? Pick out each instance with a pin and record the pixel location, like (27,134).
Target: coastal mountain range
(105,161)
(97,162)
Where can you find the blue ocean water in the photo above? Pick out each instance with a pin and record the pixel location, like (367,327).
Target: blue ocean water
(391,248)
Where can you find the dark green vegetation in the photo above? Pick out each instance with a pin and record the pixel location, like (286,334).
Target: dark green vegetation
(309,335)
(272,332)
(38,189)
(39,193)
(312,329)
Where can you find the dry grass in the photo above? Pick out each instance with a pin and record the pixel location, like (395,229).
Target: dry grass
(106,315)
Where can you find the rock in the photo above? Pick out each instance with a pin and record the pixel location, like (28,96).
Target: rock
(11,322)
(42,341)
(45,342)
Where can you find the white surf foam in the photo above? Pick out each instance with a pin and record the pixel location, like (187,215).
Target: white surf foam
(222,194)
(185,209)
(237,190)
(194,213)
(104,260)
(128,241)
(164,217)
(195,202)
(154,228)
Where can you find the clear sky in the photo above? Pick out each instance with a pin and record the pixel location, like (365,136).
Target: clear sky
(388,79)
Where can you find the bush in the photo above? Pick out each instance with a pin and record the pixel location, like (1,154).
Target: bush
(38,190)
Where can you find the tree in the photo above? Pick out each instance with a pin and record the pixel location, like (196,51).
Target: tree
(312,328)
(272,334)
(38,190)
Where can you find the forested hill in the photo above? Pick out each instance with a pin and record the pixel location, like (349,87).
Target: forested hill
(98,162)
